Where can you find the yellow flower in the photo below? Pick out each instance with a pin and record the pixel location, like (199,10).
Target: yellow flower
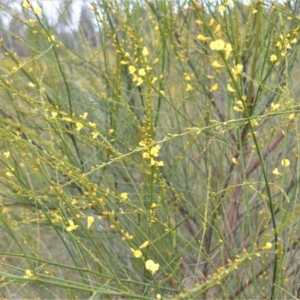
(90,221)
(216,64)
(155,150)
(28,274)
(51,38)
(267,246)
(285,162)
(144,245)
(222,8)
(218,28)
(234,161)
(151,266)
(131,69)
(94,134)
(187,77)
(273,57)
(31,84)
(276,172)
(203,38)
(139,81)
(136,253)
(211,22)
(142,72)
(236,70)
(217,45)
(6,154)
(72,226)
(79,126)
(230,88)
(146,155)
(145,51)
(214,87)
(26,4)
(238,109)
(124,196)
(228,50)
(189,87)
(274,106)
(84,116)
(37,10)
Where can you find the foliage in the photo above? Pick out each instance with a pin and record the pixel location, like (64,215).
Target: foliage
(152,152)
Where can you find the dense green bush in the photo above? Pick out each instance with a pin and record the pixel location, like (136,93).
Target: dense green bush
(151,152)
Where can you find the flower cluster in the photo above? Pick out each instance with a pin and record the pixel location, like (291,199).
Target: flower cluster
(152,154)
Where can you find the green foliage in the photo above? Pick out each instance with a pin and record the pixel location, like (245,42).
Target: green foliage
(151,153)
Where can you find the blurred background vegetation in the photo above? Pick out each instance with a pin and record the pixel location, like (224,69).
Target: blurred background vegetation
(149,150)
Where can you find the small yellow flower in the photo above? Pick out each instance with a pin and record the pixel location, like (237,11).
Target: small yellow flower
(230,88)
(274,106)
(291,116)
(285,162)
(276,172)
(124,196)
(139,81)
(155,150)
(26,4)
(203,38)
(214,87)
(189,87)
(187,77)
(142,72)
(6,154)
(222,8)
(51,38)
(236,70)
(28,273)
(216,64)
(72,226)
(136,253)
(94,134)
(228,50)
(145,51)
(234,161)
(37,10)
(273,57)
(31,84)
(151,266)
(217,45)
(84,116)
(218,29)
(131,69)
(153,206)
(238,109)
(90,221)
(267,246)
(144,245)
(79,126)
(146,155)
